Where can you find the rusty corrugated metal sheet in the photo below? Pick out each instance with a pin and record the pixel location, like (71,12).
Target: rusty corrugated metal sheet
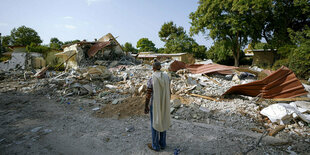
(280,84)
(177,65)
(95,48)
(208,68)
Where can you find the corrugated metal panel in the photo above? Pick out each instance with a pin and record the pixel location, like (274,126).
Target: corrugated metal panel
(95,48)
(208,68)
(280,84)
(147,56)
(177,65)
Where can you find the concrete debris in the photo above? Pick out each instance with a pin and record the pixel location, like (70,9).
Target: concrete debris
(283,113)
(142,89)
(96,109)
(130,129)
(117,101)
(36,129)
(21,59)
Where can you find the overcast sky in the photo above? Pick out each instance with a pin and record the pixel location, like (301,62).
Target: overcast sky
(129,20)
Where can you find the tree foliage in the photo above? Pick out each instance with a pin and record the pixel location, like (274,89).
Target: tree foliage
(37,48)
(283,15)
(71,42)
(220,53)
(230,21)
(170,31)
(299,55)
(23,36)
(55,43)
(145,45)
(177,41)
(237,21)
(6,40)
(129,48)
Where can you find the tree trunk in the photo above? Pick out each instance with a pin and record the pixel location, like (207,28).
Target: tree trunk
(236,51)
(236,58)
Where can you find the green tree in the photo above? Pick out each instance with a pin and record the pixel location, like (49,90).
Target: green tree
(23,36)
(55,43)
(177,41)
(300,55)
(220,53)
(6,40)
(282,15)
(145,45)
(129,48)
(38,48)
(170,31)
(233,21)
(71,42)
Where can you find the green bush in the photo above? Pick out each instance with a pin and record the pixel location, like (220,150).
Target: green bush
(299,62)
(4,58)
(296,56)
(219,53)
(280,63)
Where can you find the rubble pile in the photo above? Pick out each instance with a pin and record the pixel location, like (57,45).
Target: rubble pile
(195,97)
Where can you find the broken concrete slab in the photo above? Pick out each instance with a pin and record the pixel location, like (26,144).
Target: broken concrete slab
(282,113)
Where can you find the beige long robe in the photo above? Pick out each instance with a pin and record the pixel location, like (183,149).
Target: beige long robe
(161,101)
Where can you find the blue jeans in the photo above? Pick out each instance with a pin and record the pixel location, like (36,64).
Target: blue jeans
(158,138)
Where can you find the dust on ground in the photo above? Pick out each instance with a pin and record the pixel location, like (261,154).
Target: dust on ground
(132,106)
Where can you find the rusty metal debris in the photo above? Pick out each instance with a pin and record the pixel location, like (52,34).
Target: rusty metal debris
(98,46)
(202,68)
(177,65)
(208,68)
(280,84)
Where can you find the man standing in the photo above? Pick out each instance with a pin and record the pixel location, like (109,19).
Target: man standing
(158,95)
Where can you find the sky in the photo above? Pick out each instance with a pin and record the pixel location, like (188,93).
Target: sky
(128,20)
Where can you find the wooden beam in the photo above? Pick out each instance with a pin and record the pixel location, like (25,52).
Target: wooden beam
(276,130)
(205,97)
(292,99)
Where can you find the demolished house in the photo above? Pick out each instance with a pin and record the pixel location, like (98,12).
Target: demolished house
(100,52)
(21,59)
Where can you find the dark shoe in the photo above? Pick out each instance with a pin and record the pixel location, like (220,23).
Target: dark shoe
(162,148)
(150,147)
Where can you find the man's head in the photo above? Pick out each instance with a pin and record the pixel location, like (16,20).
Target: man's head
(156,65)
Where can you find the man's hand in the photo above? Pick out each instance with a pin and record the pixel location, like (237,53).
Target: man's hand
(146,109)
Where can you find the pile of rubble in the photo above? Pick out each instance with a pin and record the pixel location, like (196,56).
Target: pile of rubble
(196,97)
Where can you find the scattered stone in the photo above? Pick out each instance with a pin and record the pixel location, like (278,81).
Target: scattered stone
(2,140)
(204,109)
(130,129)
(117,101)
(142,89)
(95,109)
(111,86)
(36,129)
(172,109)
(47,131)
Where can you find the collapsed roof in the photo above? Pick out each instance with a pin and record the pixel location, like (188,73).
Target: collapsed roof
(81,53)
(280,84)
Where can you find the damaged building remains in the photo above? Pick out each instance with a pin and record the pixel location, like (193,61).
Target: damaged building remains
(237,109)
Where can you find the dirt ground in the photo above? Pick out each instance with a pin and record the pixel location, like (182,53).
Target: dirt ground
(129,107)
(36,123)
